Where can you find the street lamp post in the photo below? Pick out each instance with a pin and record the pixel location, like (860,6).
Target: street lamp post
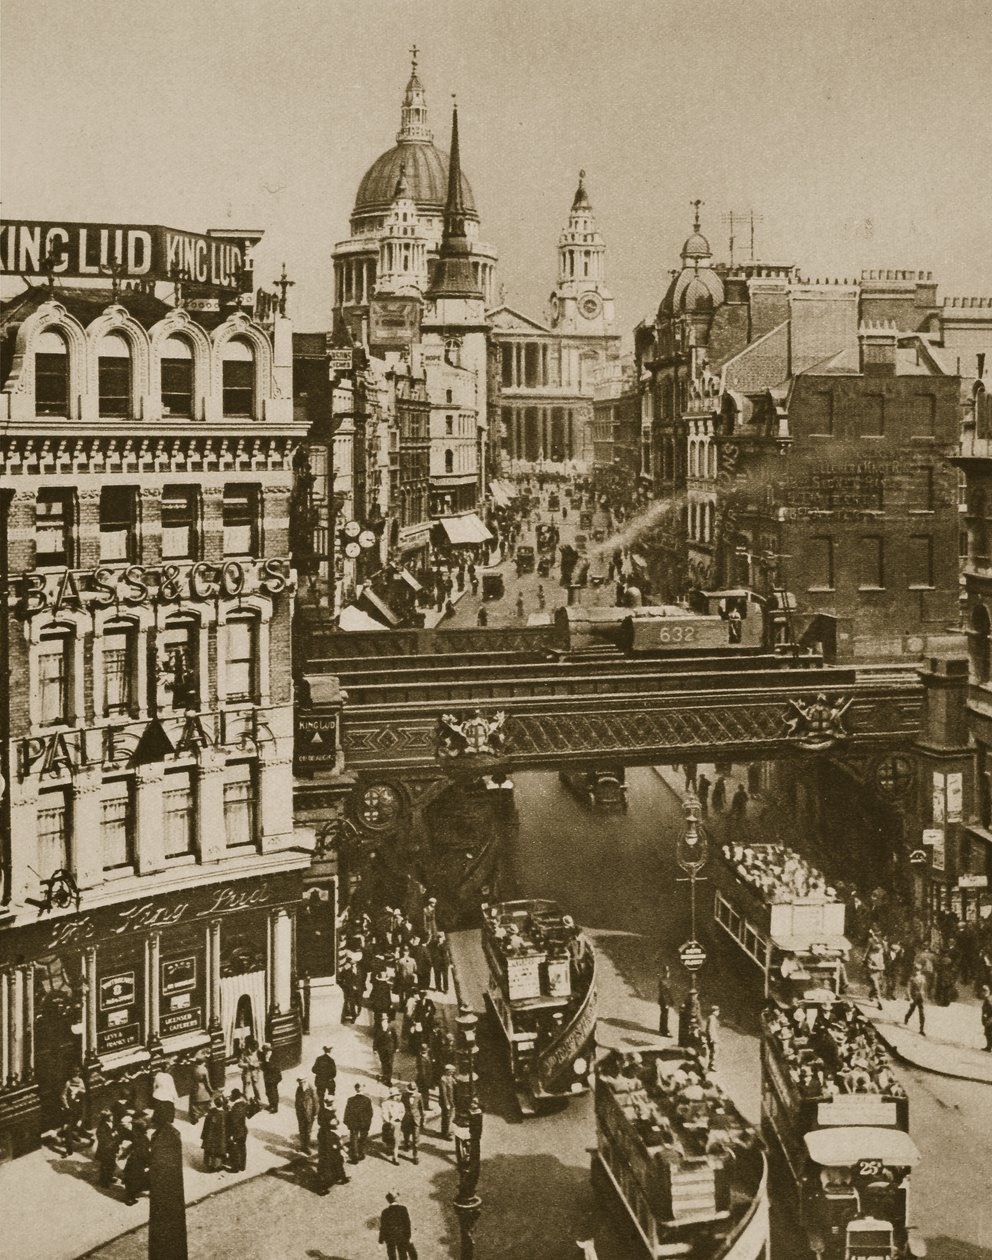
(467,1129)
(691,856)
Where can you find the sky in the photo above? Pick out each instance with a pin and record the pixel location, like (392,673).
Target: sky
(860,133)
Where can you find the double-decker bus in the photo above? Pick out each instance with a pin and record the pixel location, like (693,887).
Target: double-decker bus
(676,1159)
(833,1111)
(784,916)
(542,993)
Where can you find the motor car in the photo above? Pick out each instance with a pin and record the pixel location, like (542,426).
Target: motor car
(603,790)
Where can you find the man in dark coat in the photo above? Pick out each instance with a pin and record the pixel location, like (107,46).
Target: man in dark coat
(271,1076)
(381,997)
(107,1143)
(306,1111)
(666,999)
(384,1043)
(214,1135)
(135,1175)
(237,1131)
(395,1228)
(358,1121)
(985,993)
(446,1097)
(325,1073)
(72,1105)
(425,1075)
(167,1202)
(440,952)
(412,1124)
(422,959)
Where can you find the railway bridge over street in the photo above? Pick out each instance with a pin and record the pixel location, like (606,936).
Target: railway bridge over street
(401,705)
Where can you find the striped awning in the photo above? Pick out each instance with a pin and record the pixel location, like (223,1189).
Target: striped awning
(465,530)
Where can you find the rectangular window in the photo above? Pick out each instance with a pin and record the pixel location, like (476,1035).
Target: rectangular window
(241,512)
(180,517)
(920,555)
(114,376)
(118,669)
(51,384)
(922,416)
(922,500)
(178,815)
(821,564)
(240,811)
(871,568)
(871,418)
(53,833)
(239,666)
(118,518)
(820,410)
(117,825)
(177,387)
(54,517)
(239,388)
(53,678)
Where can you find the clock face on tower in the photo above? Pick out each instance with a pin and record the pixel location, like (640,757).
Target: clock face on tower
(590,305)
(555,310)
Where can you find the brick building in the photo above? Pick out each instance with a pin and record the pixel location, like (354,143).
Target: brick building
(150,870)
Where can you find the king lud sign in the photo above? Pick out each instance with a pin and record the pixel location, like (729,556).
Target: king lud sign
(127,251)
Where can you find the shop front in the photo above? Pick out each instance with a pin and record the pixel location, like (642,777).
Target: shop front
(124,990)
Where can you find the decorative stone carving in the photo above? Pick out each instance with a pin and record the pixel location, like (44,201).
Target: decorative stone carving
(472,736)
(818,725)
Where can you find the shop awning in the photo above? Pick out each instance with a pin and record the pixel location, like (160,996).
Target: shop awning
(380,607)
(406,576)
(466,530)
(352,618)
(840,1147)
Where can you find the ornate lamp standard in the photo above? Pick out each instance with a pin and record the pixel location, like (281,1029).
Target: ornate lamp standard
(467,1129)
(691,856)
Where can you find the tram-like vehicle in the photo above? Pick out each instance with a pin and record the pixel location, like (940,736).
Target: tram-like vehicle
(835,1116)
(542,995)
(796,939)
(677,1161)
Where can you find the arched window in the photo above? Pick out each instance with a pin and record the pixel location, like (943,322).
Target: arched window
(51,375)
(177,377)
(449,461)
(55,663)
(119,667)
(114,376)
(240,657)
(238,369)
(981,655)
(178,662)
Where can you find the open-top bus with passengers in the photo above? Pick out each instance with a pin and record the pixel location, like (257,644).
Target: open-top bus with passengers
(784,916)
(542,994)
(833,1112)
(677,1160)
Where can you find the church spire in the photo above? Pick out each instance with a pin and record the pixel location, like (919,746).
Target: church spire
(413,115)
(454,276)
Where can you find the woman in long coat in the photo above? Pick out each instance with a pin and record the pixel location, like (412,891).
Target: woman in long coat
(214,1139)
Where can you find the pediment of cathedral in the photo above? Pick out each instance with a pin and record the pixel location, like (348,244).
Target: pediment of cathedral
(506,319)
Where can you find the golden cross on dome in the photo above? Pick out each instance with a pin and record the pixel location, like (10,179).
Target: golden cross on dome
(413,53)
(696,204)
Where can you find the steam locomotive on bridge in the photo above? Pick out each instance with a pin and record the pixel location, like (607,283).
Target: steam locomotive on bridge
(736,620)
(542,995)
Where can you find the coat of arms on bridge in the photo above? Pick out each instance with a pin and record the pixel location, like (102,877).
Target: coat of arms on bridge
(474,736)
(818,725)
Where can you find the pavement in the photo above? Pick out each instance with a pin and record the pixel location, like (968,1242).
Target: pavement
(87,1216)
(954,1041)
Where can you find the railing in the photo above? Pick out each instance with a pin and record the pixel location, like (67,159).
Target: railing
(326,647)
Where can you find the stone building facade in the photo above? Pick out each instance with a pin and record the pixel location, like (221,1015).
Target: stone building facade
(151,872)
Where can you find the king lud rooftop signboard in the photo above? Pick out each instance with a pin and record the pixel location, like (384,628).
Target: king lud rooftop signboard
(124,251)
